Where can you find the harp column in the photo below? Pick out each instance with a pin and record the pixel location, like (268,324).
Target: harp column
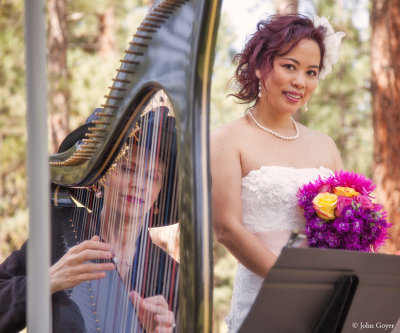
(38,288)
(196,258)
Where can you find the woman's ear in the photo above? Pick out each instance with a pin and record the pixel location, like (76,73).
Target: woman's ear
(258,74)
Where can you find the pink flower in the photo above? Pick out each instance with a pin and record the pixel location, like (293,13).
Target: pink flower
(324,188)
(341,203)
(364,201)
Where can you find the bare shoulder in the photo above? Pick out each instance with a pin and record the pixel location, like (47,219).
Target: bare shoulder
(317,136)
(228,133)
(324,145)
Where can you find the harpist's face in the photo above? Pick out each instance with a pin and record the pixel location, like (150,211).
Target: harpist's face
(134,185)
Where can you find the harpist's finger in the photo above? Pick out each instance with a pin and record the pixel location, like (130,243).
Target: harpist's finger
(166,319)
(93,243)
(90,267)
(158,300)
(163,329)
(135,299)
(92,254)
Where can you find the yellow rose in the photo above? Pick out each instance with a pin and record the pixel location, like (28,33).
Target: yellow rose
(325,204)
(345,191)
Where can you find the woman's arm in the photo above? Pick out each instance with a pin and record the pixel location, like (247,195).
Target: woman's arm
(226,175)
(13,292)
(69,271)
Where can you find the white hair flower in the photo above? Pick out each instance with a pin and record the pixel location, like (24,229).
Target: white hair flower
(332,43)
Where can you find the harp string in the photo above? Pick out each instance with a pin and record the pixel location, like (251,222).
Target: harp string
(144,259)
(125,213)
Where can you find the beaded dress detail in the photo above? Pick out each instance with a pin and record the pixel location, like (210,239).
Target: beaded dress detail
(270,210)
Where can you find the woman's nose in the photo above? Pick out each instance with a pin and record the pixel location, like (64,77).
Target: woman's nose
(298,81)
(137,183)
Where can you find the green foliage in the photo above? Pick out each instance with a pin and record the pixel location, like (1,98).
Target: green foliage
(223,109)
(341,105)
(13,185)
(90,74)
(90,77)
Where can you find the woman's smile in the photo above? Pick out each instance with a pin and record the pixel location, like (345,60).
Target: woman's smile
(293,96)
(133,199)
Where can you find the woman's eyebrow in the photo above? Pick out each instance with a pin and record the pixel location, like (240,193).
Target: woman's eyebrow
(298,63)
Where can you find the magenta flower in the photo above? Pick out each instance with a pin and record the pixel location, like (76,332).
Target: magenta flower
(342,202)
(364,201)
(359,224)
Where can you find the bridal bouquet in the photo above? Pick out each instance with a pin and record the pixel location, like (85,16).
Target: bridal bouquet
(340,214)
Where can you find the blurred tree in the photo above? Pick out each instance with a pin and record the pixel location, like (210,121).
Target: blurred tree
(78,75)
(222,110)
(106,38)
(13,186)
(385,19)
(340,106)
(59,89)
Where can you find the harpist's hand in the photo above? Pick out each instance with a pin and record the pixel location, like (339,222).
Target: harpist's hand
(75,266)
(153,313)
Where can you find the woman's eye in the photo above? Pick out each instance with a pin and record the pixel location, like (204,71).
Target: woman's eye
(290,67)
(313,73)
(127,169)
(153,176)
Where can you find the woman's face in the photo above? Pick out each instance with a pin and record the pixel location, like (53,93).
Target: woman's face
(134,185)
(293,79)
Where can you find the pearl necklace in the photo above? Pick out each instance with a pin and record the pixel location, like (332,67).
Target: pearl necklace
(288,138)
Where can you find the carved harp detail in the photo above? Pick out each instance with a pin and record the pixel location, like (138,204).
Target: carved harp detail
(154,121)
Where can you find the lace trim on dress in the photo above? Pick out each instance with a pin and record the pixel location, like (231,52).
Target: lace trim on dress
(270,192)
(269,202)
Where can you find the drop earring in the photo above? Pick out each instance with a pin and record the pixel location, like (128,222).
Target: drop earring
(259,88)
(155,210)
(98,191)
(305,107)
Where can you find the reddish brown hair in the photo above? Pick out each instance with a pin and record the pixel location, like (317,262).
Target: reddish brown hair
(275,36)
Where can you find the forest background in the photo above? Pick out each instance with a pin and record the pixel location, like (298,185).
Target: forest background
(357,105)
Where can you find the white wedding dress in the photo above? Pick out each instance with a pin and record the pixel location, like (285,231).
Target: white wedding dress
(270,211)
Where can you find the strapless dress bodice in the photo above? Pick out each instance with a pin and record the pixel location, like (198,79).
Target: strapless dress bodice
(269,210)
(269,197)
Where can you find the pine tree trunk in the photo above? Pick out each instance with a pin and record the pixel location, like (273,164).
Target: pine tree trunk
(385,86)
(58,73)
(106,39)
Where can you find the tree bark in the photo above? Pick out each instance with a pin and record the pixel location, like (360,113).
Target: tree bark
(106,39)
(385,87)
(58,73)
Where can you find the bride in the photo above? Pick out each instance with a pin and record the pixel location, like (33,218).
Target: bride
(259,161)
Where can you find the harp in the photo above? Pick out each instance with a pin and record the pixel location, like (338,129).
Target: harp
(152,127)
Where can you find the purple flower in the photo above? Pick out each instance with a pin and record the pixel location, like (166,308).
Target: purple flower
(359,224)
(356,226)
(341,226)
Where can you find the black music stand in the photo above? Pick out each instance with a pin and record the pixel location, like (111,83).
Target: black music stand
(328,291)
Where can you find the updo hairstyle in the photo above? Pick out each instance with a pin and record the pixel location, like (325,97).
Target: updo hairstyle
(275,36)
